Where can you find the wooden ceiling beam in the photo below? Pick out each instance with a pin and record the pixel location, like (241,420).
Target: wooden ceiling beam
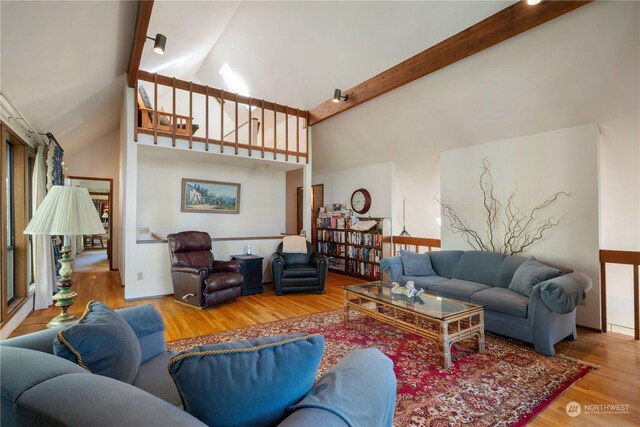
(142,25)
(497,28)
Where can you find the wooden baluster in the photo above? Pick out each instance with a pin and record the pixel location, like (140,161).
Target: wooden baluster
(286,133)
(250,133)
(235,99)
(262,129)
(174,119)
(603,294)
(275,145)
(155,108)
(222,120)
(297,136)
(636,301)
(137,109)
(206,121)
(190,119)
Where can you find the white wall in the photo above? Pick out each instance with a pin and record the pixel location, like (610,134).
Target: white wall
(262,199)
(539,165)
(620,211)
(294,180)
(100,159)
(378,179)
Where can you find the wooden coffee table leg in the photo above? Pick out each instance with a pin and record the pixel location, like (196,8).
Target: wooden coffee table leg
(481,334)
(444,346)
(346,307)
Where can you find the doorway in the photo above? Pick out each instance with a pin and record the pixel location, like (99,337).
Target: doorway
(317,200)
(94,252)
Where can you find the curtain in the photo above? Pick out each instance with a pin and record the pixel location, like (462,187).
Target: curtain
(54,176)
(43,264)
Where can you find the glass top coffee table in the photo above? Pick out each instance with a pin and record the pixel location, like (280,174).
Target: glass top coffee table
(440,319)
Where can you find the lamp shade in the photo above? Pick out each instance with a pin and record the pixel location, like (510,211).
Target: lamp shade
(66,211)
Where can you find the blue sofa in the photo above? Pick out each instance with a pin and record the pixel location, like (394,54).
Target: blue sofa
(545,317)
(41,389)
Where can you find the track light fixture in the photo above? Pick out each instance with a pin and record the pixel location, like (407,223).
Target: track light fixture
(160,43)
(337,95)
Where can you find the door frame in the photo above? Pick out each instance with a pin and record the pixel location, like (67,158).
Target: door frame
(111,214)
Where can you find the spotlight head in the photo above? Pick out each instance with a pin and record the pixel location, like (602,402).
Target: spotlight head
(160,44)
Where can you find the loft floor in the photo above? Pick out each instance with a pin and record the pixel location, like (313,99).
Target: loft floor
(615,382)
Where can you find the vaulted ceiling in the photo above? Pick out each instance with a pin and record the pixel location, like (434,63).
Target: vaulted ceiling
(62,65)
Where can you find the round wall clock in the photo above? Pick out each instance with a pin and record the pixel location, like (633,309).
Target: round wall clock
(361,200)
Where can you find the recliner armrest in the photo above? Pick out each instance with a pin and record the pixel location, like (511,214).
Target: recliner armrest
(192,270)
(226,267)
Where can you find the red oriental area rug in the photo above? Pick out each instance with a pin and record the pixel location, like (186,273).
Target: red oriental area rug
(506,385)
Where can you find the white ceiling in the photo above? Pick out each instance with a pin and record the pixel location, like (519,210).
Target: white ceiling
(62,64)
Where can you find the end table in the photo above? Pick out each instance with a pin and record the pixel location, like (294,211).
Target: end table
(251,269)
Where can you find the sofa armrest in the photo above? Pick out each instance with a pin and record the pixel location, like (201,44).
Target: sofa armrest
(226,266)
(40,341)
(563,294)
(360,389)
(393,267)
(148,326)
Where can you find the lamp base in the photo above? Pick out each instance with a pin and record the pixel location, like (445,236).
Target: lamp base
(61,319)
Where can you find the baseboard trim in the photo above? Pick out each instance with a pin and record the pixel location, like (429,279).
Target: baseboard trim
(589,328)
(149,297)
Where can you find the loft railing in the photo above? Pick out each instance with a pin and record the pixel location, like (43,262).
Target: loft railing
(152,121)
(413,243)
(631,258)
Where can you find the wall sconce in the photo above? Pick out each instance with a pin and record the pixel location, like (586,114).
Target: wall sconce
(261,167)
(160,43)
(337,95)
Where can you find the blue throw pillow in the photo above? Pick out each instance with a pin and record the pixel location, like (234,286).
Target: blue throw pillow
(416,264)
(247,383)
(530,273)
(102,342)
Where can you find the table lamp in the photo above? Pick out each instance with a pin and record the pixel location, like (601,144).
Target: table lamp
(66,211)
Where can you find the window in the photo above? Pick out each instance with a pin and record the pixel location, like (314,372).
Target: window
(16,264)
(9,291)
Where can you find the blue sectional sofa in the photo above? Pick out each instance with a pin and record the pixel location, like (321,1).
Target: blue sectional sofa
(41,389)
(544,317)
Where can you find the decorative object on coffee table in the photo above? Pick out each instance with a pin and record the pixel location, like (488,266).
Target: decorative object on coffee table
(251,270)
(65,211)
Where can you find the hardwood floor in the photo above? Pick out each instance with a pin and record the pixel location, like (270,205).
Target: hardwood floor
(615,382)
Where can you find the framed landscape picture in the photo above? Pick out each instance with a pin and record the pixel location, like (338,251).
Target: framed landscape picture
(210,196)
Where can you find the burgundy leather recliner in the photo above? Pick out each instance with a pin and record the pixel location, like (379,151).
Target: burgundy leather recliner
(198,279)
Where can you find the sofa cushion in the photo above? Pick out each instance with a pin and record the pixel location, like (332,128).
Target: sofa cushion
(445,263)
(148,326)
(530,273)
(153,377)
(340,390)
(248,382)
(458,289)
(502,300)
(416,264)
(421,282)
(300,271)
(508,268)
(480,266)
(101,342)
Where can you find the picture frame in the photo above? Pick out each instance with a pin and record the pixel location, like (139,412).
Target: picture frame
(204,196)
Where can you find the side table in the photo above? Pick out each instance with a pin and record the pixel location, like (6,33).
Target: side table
(251,269)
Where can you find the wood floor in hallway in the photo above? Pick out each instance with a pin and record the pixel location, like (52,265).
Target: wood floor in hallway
(615,382)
